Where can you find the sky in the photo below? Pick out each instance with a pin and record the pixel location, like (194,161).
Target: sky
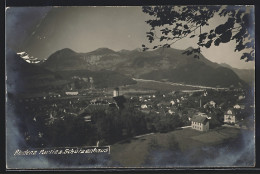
(41,31)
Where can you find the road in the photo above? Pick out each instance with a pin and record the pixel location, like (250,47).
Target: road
(178,84)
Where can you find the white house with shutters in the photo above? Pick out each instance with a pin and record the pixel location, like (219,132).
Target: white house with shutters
(200,123)
(229,116)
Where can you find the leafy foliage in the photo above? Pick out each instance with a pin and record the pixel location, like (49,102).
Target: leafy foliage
(107,126)
(174,23)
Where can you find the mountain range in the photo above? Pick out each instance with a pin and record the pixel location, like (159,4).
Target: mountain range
(23,76)
(165,64)
(111,68)
(30,59)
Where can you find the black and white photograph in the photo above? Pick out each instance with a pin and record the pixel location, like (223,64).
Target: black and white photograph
(170,86)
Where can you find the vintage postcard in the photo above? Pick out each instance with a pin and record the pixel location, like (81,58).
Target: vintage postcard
(130,87)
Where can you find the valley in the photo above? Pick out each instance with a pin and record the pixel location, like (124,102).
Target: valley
(114,98)
(129,87)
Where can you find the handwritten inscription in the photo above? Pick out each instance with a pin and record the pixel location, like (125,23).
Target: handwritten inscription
(62,151)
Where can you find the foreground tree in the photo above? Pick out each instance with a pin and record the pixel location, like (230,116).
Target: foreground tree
(170,24)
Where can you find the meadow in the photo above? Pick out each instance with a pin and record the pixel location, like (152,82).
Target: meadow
(135,152)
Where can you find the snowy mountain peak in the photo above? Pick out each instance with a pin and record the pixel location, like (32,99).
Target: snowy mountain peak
(28,58)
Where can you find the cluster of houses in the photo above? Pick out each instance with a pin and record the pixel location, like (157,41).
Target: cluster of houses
(31,97)
(199,121)
(117,101)
(162,107)
(71,87)
(147,103)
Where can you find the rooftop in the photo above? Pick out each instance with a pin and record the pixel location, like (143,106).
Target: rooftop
(199,119)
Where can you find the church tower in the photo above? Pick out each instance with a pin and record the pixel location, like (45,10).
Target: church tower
(116,92)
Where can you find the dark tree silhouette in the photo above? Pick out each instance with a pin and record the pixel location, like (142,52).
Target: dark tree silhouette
(170,24)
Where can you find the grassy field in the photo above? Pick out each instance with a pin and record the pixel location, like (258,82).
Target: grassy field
(217,136)
(132,153)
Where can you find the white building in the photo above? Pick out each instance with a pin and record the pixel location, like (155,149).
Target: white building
(229,116)
(210,104)
(200,123)
(172,102)
(72,93)
(241,97)
(144,106)
(213,104)
(116,92)
(170,111)
(237,106)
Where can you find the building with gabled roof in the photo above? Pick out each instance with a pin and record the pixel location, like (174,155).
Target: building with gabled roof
(237,106)
(210,104)
(230,116)
(200,123)
(241,97)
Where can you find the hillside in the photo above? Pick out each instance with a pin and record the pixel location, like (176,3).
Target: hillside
(247,75)
(25,77)
(197,73)
(65,59)
(68,63)
(102,78)
(161,64)
(181,148)
(172,65)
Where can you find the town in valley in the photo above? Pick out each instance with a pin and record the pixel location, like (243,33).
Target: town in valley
(101,78)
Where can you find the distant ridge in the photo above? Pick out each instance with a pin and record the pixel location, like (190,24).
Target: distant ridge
(64,59)
(102,51)
(161,64)
(247,75)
